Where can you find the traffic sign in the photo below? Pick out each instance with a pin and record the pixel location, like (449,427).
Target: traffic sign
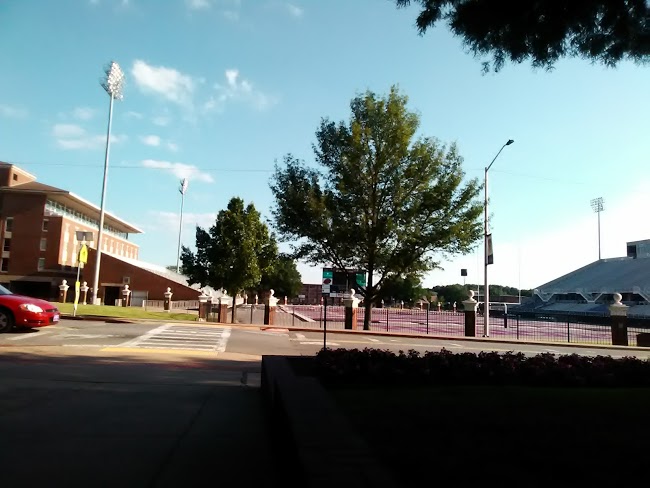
(83,254)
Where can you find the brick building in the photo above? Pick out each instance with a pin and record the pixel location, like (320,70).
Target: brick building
(38,225)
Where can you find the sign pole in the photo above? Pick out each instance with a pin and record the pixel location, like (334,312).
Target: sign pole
(82,259)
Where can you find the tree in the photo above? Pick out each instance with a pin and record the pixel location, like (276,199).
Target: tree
(543,31)
(235,253)
(400,288)
(283,277)
(380,199)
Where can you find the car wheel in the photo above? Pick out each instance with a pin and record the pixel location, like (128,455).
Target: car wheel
(6,321)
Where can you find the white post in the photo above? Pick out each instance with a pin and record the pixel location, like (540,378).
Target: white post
(486,286)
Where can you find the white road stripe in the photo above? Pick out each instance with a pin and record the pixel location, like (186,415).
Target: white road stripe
(144,337)
(373,340)
(31,335)
(319,343)
(301,336)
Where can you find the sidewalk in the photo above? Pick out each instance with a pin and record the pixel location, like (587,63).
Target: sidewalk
(131,422)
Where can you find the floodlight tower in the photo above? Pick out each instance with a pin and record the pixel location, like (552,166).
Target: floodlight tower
(597,204)
(113,83)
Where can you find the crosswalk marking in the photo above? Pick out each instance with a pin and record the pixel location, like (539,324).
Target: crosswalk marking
(173,336)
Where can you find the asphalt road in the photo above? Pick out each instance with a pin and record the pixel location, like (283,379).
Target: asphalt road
(213,340)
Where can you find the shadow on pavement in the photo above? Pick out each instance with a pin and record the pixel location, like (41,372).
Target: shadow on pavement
(84,420)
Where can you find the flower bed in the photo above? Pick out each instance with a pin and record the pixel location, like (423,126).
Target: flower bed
(372,367)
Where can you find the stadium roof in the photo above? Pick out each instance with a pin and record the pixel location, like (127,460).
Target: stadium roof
(615,275)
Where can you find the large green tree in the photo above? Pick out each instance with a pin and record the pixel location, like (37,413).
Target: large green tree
(380,198)
(399,288)
(234,253)
(283,278)
(543,31)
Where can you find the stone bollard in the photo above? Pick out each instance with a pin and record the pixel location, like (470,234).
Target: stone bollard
(126,293)
(618,313)
(469,308)
(63,291)
(269,308)
(203,307)
(167,304)
(351,308)
(84,292)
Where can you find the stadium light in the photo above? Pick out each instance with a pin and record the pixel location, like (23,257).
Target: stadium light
(182,189)
(487,245)
(113,83)
(597,204)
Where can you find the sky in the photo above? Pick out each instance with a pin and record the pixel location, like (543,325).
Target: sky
(219,90)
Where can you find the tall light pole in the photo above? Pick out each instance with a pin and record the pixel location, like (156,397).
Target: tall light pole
(113,84)
(487,244)
(182,189)
(597,204)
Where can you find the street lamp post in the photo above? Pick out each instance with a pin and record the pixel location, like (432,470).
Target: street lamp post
(597,204)
(486,248)
(113,84)
(182,189)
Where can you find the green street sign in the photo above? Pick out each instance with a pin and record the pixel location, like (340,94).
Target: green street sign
(328,273)
(361,279)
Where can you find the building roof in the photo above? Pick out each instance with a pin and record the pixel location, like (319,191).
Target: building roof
(615,275)
(74,202)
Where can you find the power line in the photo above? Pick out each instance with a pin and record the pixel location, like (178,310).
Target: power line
(138,166)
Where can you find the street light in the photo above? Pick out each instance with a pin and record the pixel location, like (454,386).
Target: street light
(182,189)
(597,204)
(487,245)
(113,84)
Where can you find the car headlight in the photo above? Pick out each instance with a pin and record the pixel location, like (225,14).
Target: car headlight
(31,308)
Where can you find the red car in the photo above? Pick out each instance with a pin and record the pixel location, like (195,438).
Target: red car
(26,312)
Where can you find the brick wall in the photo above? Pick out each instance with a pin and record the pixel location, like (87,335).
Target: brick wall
(113,271)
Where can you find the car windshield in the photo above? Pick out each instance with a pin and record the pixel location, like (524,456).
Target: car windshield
(4,291)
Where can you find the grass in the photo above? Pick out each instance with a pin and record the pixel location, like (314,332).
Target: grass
(123,312)
(514,436)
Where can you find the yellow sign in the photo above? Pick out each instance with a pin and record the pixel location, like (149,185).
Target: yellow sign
(83,254)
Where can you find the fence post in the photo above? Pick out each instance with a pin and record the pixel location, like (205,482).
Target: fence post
(517,327)
(386,320)
(63,291)
(618,314)
(167,305)
(568,329)
(203,307)
(469,308)
(351,307)
(269,308)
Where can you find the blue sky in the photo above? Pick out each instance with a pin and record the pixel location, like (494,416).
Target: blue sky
(218,90)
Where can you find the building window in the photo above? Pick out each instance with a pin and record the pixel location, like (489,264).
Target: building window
(41,264)
(9,224)
(7,245)
(4,265)
(46,224)
(43,244)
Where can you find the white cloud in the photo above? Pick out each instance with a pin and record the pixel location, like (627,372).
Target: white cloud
(180,170)
(168,221)
(231,15)
(167,83)
(151,140)
(12,112)
(197,4)
(238,89)
(83,113)
(161,120)
(133,115)
(172,146)
(71,136)
(294,10)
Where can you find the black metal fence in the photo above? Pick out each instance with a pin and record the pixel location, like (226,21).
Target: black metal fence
(560,328)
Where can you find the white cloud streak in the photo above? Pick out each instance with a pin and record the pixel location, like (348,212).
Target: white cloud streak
(161,120)
(197,4)
(83,113)
(294,10)
(180,170)
(151,140)
(238,89)
(167,83)
(133,115)
(12,112)
(168,221)
(74,137)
